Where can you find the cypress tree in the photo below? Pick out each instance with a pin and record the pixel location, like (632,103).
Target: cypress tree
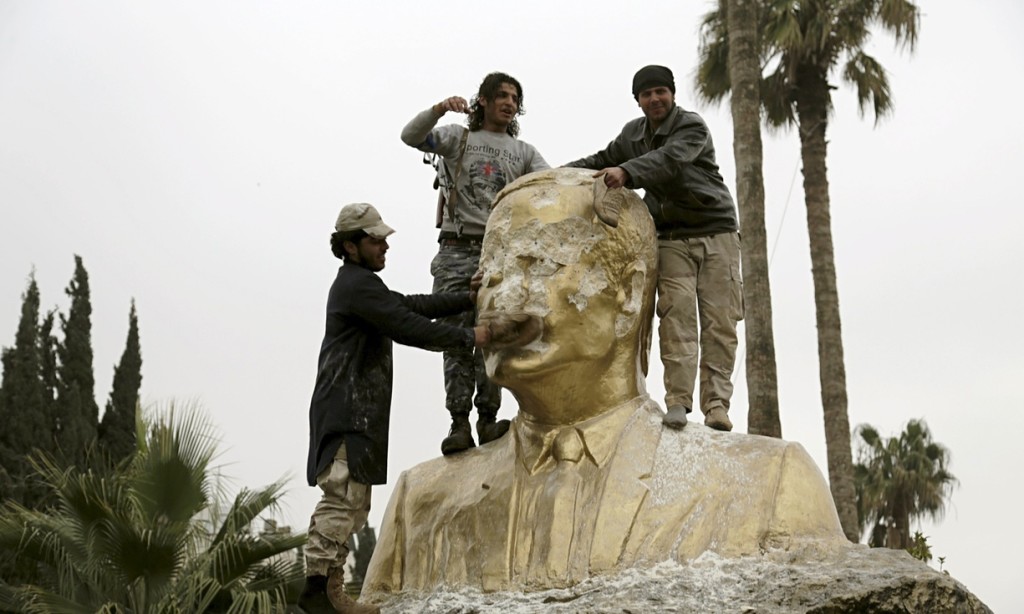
(48,374)
(22,412)
(117,430)
(77,412)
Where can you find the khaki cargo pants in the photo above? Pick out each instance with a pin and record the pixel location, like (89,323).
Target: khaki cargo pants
(699,281)
(342,511)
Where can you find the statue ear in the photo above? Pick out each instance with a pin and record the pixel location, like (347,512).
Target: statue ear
(636,310)
(630,297)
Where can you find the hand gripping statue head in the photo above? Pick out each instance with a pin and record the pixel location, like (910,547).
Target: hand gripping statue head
(578,264)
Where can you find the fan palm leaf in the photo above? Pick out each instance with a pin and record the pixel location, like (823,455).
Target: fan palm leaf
(148,537)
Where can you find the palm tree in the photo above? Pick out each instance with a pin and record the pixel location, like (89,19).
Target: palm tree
(147,537)
(802,44)
(745,75)
(899,479)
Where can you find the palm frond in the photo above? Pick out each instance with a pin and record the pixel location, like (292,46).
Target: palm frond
(169,474)
(142,536)
(871,82)
(233,559)
(777,99)
(781,26)
(35,600)
(901,18)
(712,74)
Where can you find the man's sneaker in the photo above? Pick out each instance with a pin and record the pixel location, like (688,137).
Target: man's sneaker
(460,437)
(675,418)
(718,419)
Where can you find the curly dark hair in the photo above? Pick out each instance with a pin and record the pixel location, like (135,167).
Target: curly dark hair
(488,89)
(338,241)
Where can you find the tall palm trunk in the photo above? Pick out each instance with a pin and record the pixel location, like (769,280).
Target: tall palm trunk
(745,76)
(812,112)
(899,536)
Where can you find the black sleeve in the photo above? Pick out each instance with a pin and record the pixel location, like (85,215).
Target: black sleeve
(437,305)
(388,312)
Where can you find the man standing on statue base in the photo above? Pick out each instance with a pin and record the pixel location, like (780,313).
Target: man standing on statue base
(669,153)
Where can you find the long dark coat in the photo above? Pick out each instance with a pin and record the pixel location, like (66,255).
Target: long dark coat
(352,397)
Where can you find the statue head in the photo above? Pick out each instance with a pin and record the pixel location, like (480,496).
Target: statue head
(583,263)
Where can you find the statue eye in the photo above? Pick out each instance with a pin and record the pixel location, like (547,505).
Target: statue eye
(493,279)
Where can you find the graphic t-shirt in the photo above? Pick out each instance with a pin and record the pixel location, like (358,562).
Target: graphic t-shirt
(492,160)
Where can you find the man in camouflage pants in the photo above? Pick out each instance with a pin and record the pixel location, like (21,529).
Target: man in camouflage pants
(476,163)
(464,371)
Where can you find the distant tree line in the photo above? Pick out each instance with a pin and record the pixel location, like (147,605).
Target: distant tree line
(47,400)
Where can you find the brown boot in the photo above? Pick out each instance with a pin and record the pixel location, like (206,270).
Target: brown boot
(313,599)
(718,419)
(340,599)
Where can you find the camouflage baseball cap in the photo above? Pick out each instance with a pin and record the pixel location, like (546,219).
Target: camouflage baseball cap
(362,216)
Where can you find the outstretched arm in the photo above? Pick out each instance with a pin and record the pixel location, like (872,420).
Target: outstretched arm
(420,132)
(609,156)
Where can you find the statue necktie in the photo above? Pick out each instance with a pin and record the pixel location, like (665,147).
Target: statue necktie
(562,490)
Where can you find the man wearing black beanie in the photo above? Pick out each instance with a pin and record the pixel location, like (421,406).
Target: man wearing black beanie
(669,153)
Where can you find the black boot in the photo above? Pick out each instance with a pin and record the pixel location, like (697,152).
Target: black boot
(487,429)
(313,599)
(460,437)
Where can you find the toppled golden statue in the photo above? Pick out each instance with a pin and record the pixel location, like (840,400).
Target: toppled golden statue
(587,481)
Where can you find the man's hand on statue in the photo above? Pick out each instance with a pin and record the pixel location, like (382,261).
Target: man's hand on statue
(481,336)
(452,103)
(474,285)
(614,176)
(513,330)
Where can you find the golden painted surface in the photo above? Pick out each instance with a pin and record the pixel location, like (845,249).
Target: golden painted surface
(587,481)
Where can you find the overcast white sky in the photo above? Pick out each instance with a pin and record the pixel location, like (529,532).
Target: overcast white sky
(195,155)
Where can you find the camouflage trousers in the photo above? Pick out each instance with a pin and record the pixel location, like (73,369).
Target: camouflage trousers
(464,373)
(341,512)
(699,281)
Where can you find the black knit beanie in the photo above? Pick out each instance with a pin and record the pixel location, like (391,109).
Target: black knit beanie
(652,76)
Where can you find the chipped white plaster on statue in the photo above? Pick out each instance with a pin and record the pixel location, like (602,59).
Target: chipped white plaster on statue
(521,284)
(544,198)
(573,176)
(592,282)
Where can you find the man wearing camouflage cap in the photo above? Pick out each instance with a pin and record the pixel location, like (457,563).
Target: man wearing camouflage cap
(669,153)
(349,414)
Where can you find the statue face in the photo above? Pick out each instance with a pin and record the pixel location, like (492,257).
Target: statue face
(539,258)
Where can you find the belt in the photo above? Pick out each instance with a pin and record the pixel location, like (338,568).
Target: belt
(671,234)
(679,233)
(461,241)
